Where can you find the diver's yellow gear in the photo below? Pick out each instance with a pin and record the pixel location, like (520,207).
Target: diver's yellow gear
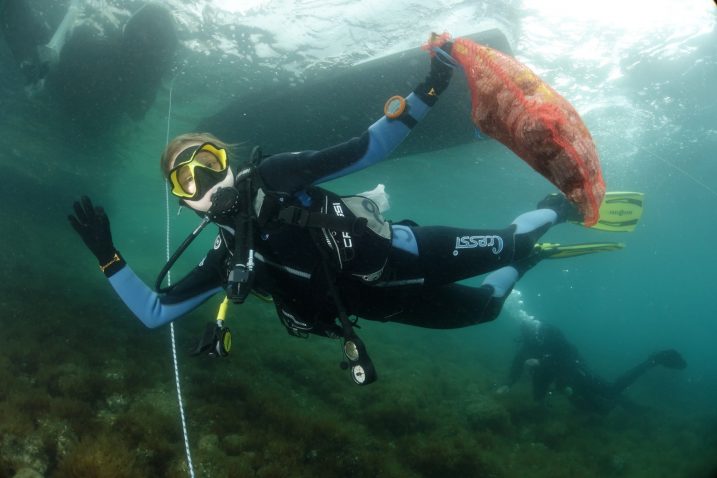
(115,259)
(222,312)
(208,158)
(619,211)
(547,250)
(216,341)
(223,335)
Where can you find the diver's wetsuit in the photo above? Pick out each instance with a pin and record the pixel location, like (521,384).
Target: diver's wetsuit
(415,285)
(561,364)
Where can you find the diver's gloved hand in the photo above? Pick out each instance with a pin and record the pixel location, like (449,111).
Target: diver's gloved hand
(93,226)
(438,78)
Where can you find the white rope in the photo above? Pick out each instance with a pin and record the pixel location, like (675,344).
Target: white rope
(171,324)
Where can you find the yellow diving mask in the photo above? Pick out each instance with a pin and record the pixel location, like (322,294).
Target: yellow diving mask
(198,169)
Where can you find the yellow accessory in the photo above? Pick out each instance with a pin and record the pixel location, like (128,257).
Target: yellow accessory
(223,335)
(115,259)
(182,176)
(222,312)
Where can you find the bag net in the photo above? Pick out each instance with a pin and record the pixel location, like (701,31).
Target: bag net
(513,105)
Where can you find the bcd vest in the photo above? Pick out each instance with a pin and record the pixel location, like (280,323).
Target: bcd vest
(350,229)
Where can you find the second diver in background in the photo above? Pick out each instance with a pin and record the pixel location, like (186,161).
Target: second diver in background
(553,361)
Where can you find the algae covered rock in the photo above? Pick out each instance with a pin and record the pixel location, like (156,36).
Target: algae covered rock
(482,411)
(27,473)
(24,453)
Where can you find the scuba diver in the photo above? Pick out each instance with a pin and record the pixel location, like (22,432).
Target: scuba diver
(552,360)
(319,256)
(94,77)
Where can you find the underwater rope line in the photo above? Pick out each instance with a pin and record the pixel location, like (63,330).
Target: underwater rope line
(684,172)
(669,163)
(171,324)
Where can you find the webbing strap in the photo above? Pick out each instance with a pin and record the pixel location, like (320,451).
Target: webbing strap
(297,216)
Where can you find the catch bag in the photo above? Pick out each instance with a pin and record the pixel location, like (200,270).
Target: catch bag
(513,105)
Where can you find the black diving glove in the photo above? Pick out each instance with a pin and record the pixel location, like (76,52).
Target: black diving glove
(438,78)
(93,226)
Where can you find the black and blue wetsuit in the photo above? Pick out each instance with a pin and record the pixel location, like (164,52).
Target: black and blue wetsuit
(560,364)
(416,283)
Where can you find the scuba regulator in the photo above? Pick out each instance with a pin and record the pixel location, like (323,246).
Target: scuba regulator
(228,205)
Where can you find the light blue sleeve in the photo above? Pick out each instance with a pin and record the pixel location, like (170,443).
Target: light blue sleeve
(384,136)
(147,304)
(404,239)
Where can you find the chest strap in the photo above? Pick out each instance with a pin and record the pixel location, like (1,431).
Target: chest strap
(297,216)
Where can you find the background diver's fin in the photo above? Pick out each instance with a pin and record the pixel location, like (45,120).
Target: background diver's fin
(620,212)
(547,250)
(670,358)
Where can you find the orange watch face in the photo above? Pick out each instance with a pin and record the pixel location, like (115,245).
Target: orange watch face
(394,107)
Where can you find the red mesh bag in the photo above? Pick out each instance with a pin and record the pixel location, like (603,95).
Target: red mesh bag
(511,104)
